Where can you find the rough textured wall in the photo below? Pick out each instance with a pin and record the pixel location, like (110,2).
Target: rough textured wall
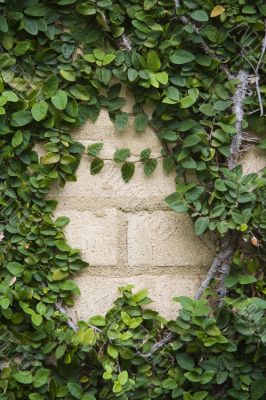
(125,231)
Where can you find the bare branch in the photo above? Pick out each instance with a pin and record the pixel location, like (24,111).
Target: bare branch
(263,49)
(168,338)
(259,95)
(222,258)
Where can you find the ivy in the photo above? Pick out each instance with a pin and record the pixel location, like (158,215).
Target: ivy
(200,68)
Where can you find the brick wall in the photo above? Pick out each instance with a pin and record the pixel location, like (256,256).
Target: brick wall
(125,231)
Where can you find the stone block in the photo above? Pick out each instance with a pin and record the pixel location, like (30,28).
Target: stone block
(163,238)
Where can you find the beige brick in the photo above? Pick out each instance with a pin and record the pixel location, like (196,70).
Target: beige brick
(164,239)
(99,292)
(96,235)
(107,188)
(253,161)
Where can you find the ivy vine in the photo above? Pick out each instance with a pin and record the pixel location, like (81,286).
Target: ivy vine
(200,66)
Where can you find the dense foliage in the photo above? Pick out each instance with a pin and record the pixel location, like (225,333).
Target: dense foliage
(200,67)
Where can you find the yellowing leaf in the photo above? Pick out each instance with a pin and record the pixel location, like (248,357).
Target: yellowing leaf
(217,10)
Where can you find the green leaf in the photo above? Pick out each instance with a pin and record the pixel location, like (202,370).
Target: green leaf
(84,337)
(86,9)
(121,154)
(181,57)
(68,75)
(50,158)
(194,194)
(187,101)
(207,109)
(201,225)
(185,361)
(36,319)
(149,166)
(247,279)
(132,74)
(17,139)
(162,77)
(238,218)
(222,105)
(193,377)
(123,378)
(15,268)
(191,140)
(36,10)
(21,118)
(41,377)
(111,350)
(199,15)
(217,211)
(169,136)
(117,387)
(60,222)
(22,48)
(153,61)
(30,26)
(79,92)
(140,295)
(94,149)
(108,58)
(60,351)
(24,377)
(176,204)
(127,171)
(3,24)
(59,100)
(62,245)
(75,390)
(11,96)
(186,302)
(97,320)
(50,86)
(39,110)
(121,121)
(173,93)
(141,122)
(35,396)
(220,185)
(96,165)
(145,154)
(258,389)
(168,164)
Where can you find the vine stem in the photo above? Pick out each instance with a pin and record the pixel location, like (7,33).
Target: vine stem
(220,263)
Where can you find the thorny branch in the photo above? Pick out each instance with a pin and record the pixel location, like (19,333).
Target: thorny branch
(238,104)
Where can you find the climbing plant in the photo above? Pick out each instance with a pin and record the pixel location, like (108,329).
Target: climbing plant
(199,66)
